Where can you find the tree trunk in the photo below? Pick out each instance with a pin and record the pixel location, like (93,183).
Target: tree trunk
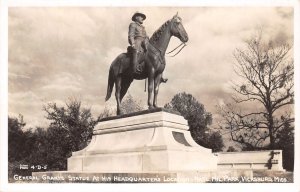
(271,132)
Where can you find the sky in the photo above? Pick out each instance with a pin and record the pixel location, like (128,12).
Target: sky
(56,53)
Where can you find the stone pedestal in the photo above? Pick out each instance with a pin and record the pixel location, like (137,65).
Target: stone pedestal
(151,141)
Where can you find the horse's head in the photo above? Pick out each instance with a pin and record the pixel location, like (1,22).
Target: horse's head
(178,30)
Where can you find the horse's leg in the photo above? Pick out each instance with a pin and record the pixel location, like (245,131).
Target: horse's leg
(117,94)
(150,88)
(157,81)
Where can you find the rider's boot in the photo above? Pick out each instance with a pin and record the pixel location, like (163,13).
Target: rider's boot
(134,61)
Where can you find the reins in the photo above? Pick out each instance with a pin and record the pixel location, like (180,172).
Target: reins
(176,49)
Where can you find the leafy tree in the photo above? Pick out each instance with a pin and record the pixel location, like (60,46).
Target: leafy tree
(231,149)
(76,123)
(285,141)
(265,81)
(213,141)
(198,120)
(70,130)
(17,146)
(16,138)
(107,112)
(129,105)
(50,148)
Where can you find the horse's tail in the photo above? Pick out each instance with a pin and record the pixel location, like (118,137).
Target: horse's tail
(110,83)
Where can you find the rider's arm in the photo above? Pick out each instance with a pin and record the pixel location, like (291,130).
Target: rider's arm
(131,33)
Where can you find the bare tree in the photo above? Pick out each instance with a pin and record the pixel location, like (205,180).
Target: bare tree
(266,85)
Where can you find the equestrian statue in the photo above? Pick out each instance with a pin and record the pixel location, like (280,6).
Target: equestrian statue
(145,58)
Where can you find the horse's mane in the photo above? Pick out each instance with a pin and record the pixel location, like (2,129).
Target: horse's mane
(156,35)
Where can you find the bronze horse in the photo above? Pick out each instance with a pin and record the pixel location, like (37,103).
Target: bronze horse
(152,66)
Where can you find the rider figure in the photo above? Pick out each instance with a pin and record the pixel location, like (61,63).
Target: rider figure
(138,39)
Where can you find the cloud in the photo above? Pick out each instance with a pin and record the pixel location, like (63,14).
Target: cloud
(17,76)
(62,82)
(28,104)
(29,96)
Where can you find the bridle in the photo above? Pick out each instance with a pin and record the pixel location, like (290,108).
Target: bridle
(178,45)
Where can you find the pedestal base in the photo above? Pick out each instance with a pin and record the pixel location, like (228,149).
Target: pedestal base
(151,142)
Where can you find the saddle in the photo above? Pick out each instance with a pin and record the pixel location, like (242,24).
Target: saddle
(140,68)
(140,57)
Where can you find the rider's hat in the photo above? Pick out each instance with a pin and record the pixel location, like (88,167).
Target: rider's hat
(138,14)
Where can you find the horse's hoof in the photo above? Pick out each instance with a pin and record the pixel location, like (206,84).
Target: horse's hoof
(151,107)
(164,80)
